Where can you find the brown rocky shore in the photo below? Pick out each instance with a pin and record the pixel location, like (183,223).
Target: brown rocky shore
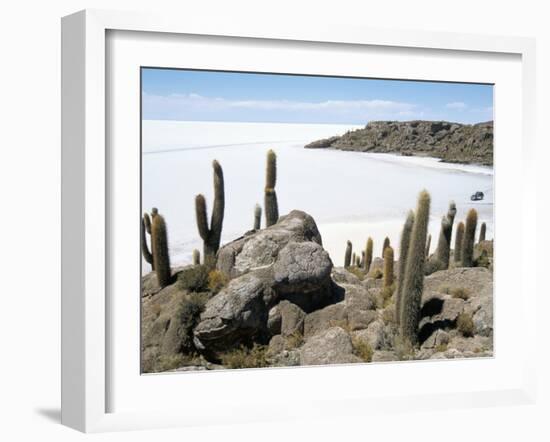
(451,142)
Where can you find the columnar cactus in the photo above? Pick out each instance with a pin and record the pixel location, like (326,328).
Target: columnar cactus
(368,255)
(257,217)
(388,267)
(451,213)
(147,255)
(482,232)
(196,257)
(469,239)
(403,251)
(347,257)
(353,258)
(428,245)
(413,283)
(362,262)
(161,256)
(211,236)
(147,222)
(458,242)
(385,245)
(271,206)
(443,250)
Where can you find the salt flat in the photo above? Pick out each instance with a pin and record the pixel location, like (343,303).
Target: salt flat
(350,195)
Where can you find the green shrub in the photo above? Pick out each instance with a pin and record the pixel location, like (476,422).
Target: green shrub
(188,317)
(194,279)
(465,324)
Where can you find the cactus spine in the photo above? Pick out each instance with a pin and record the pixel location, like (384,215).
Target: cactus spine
(270,202)
(482,232)
(469,239)
(385,245)
(257,217)
(413,283)
(161,257)
(211,236)
(403,251)
(458,241)
(368,254)
(144,248)
(347,258)
(388,267)
(196,257)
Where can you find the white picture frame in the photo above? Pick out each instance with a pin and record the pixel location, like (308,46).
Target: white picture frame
(86,316)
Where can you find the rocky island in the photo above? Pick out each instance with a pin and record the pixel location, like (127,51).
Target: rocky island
(451,142)
(273,298)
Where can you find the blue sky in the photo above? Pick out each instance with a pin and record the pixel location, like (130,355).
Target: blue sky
(169,94)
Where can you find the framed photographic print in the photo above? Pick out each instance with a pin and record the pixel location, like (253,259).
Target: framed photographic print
(269,210)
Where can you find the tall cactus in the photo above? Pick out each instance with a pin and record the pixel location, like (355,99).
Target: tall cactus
(368,255)
(362,262)
(147,255)
(147,222)
(388,266)
(161,256)
(196,257)
(347,257)
(211,236)
(469,239)
(451,213)
(257,217)
(459,238)
(385,245)
(482,232)
(413,283)
(353,258)
(403,251)
(271,205)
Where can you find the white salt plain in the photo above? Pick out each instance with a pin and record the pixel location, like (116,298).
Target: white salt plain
(350,195)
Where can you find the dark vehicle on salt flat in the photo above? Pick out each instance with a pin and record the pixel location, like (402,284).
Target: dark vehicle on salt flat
(478,196)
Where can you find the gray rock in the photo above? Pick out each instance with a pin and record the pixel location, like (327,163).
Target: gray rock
(341,276)
(332,346)
(292,318)
(374,334)
(383,356)
(238,313)
(436,339)
(324,319)
(301,267)
(274,321)
(360,305)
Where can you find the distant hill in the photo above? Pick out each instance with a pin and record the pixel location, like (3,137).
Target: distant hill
(451,142)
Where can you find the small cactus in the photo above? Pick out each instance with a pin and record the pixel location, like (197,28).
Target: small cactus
(353,258)
(357,261)
(413,283)
(211,236)
(385,245)
(482,232)
(161,256)
(147,255)
(362,262)
(257,217)
(196,257)
(443,250)
(388,267)
(147,222)
(469,239)
(347,258)
(271,205)
(403,251)
(368,255)
(458,242)
(451,213)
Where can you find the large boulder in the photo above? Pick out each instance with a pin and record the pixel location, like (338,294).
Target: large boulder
(283,262)
(260,248)
(331,346)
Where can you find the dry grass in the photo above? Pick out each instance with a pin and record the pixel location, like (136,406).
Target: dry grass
(357,272)
(217,280)
(465,324)
(362,349)
(243,357)
(293,341)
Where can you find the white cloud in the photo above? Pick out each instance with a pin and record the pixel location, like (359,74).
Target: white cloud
(182,106)
(457,105)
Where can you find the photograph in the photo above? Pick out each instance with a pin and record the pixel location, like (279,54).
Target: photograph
(302,220)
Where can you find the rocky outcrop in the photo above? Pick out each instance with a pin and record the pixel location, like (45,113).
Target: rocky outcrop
(331,346)
(452,142)
(283,262)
